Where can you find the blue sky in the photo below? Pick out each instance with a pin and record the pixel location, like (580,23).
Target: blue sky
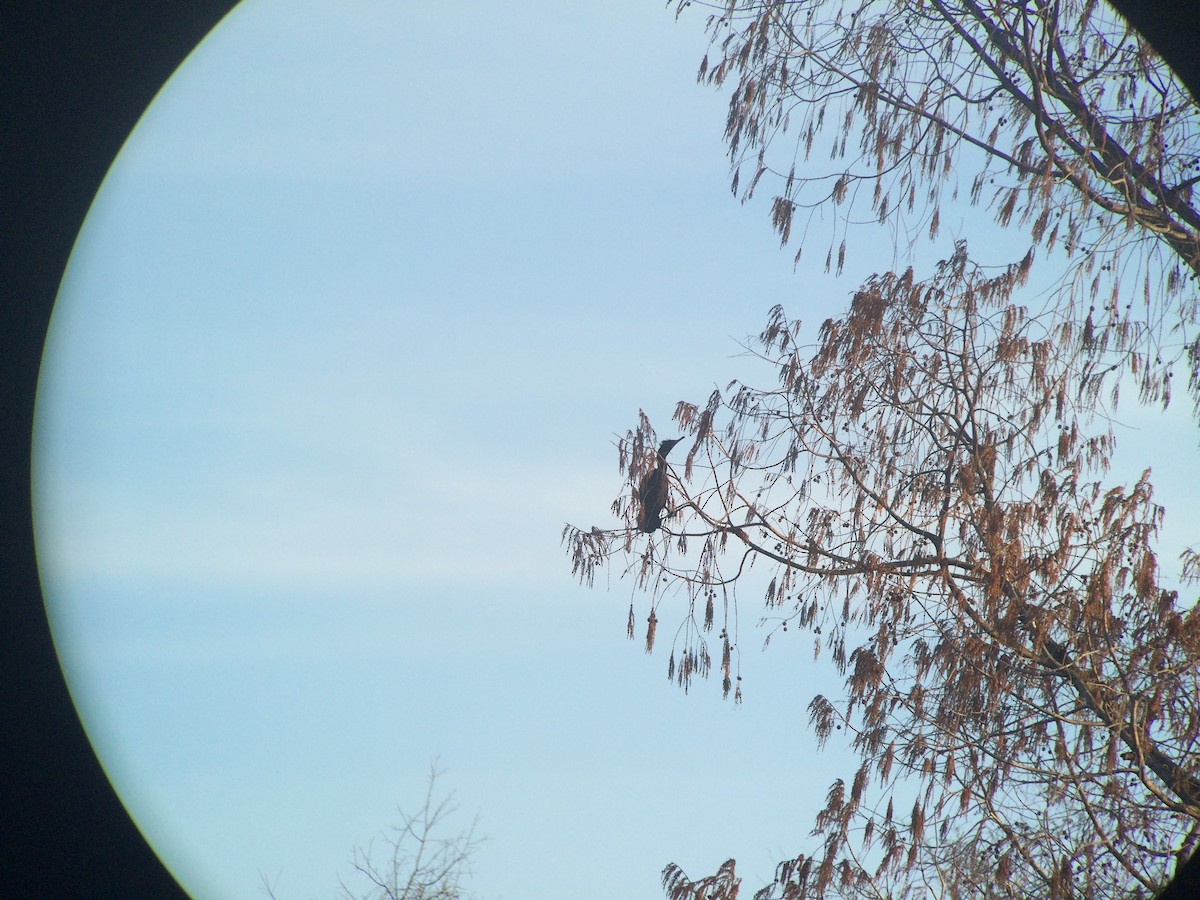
(347,337)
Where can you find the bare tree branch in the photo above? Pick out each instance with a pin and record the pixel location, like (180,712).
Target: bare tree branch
(419,859)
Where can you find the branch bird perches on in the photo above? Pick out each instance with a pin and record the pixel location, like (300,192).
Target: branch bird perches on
(652,491)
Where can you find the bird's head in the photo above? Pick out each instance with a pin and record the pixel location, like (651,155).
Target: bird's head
(665,447)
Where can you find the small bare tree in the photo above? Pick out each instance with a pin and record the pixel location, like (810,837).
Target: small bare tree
(419,860)
(924,490)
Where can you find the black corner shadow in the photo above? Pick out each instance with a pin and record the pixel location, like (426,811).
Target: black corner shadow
(74,79)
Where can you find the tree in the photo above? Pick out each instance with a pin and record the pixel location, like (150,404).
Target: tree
(1053,114)
(925,484)
(925,488)
(419,860)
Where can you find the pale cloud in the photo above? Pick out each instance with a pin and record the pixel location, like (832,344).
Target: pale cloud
(494,523)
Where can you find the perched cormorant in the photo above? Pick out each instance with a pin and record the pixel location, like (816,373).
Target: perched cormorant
(652,492)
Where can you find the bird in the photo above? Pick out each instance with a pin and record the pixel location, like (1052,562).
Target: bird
(652,491)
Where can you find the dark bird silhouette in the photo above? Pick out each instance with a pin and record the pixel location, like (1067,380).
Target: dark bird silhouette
(652,491)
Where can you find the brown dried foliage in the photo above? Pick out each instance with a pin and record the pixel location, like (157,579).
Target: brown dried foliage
(724,885)
(1053,114)
(1017,676)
